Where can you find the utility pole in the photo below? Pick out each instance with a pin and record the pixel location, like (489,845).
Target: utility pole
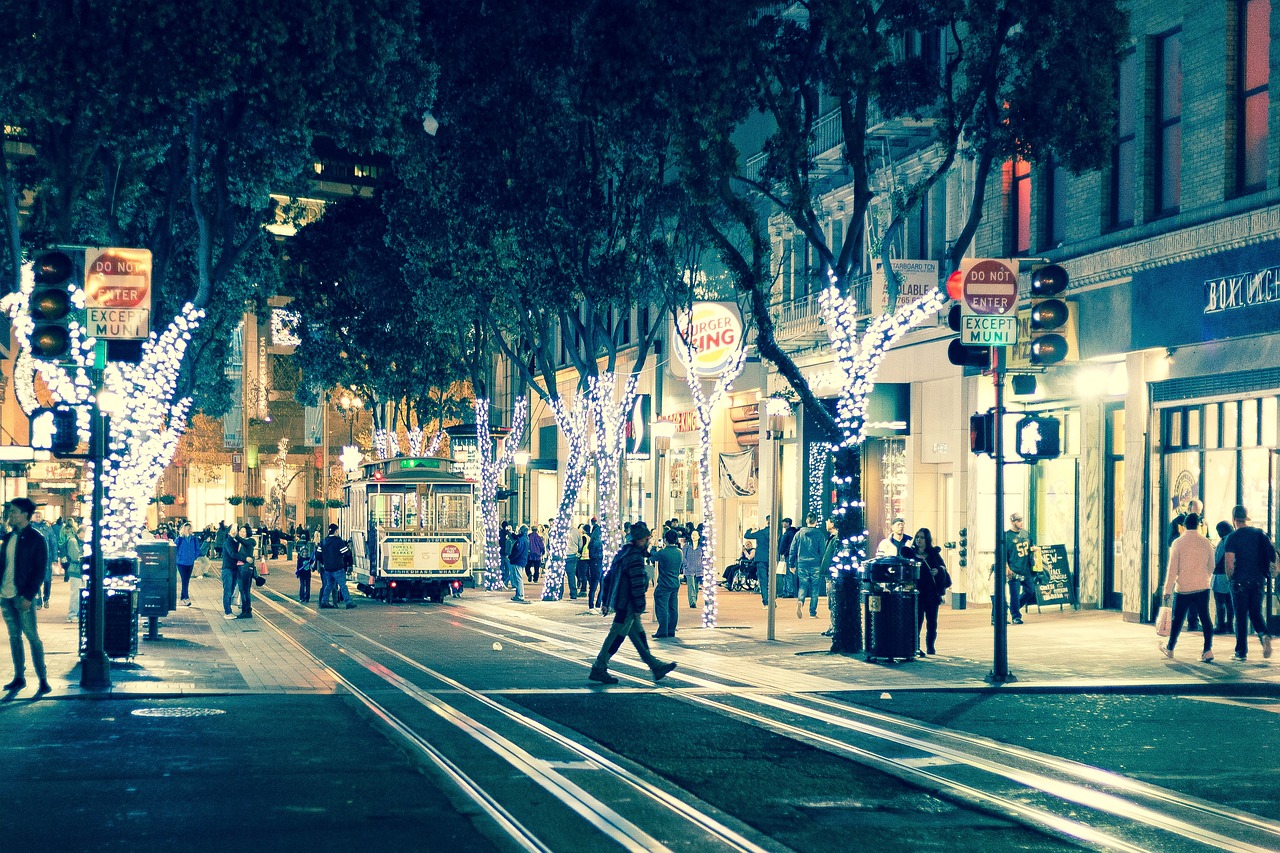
(1000,673)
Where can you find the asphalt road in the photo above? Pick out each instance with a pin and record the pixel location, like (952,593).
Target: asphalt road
(507,701)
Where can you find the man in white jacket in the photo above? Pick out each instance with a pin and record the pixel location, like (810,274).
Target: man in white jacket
(1190,574)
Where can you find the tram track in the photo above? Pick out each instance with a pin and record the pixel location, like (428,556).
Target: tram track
(542,771)
(945,761)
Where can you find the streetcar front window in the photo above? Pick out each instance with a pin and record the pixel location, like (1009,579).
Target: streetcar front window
(397,511)
(411,510)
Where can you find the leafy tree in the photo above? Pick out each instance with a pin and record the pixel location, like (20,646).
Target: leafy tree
(1031,79)
(539,204)
(356,322)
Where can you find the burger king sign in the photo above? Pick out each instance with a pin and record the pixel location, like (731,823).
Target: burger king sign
(714,333)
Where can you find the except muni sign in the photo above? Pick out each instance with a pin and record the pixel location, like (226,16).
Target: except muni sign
(988,314)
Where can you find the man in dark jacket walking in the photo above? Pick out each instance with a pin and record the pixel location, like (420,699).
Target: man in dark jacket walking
(26,556)
(630,589)
(335,559)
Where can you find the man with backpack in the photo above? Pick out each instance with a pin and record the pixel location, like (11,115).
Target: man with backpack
(629,593)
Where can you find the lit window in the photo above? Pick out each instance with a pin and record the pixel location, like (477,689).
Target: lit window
(1255,100)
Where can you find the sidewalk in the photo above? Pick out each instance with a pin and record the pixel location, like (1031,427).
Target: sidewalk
(199,653)
(1085,650)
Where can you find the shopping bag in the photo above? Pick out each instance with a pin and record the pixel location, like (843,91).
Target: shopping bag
(1164,621)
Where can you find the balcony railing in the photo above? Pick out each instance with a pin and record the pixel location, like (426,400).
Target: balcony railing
(798,324)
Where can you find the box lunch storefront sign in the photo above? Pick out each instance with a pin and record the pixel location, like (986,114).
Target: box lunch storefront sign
(1241,291)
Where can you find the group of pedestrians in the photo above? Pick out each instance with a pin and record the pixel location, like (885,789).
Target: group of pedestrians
(1244,559)
(330,556)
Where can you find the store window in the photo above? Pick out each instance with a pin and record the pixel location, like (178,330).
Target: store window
(1123,154)
(1168,130)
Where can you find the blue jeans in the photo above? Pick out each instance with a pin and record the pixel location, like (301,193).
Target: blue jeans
(246,590)
(1247,598)
(335,583)
(184,572)
(665,607)
(20,622)
(228,588)
(515,577)
(1019,587)
(810,586)
(304,586)
(762,578)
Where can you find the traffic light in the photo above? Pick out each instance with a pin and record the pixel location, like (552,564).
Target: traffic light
(55,429)
(1048,315)
(1039,437)
(982,433)
(960,354)
(58,274)
(963,552)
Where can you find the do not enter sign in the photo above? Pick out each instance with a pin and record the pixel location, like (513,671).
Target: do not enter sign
(989,313)
(990,286)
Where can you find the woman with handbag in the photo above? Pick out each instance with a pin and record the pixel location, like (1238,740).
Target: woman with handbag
(1187,581)
(931,585)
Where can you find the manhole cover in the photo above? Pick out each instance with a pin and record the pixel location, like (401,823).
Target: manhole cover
(178,712)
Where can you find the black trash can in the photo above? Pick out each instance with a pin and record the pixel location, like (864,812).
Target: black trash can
(889,608)
(890,617)
(846,618)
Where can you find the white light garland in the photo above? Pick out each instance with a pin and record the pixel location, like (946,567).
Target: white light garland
(490,470)
(703,405)
(144,436)
(415,441)
(574,425)
(434,447)
(818,453)
(858,360)
(610,417)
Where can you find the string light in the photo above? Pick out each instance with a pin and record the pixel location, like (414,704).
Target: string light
(144,434)
(434,447)
(818,452)
(490,470)
(610,418)
(858,360)
(415,441)
(573,424)
(703,406)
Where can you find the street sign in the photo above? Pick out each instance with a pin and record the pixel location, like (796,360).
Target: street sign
(988,331)
(117,292)
(988,312)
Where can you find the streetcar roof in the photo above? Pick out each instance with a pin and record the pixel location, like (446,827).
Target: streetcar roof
(411,469)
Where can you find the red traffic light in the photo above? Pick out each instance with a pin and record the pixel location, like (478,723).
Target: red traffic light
(955,285)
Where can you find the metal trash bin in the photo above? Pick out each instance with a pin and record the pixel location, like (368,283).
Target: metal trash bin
(890,617)
(157,578)
(846,632)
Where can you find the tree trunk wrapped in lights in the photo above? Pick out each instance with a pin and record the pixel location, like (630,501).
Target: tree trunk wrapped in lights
(703,405)
(490,469)
(146,429)
(858,359)
(574,425)
(610,421)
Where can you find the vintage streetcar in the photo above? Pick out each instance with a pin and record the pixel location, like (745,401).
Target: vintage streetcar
(411,525)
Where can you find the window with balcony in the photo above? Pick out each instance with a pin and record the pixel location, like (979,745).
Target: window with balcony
(1122,155)
(1168,130)
(1254,50)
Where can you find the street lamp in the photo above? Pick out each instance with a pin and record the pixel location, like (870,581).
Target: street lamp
(351,405)
(777,409)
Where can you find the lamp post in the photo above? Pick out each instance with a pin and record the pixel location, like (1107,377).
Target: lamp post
(777,410)
(662,432)
(351,405)
(521,459)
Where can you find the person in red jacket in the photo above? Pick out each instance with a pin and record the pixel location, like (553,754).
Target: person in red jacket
(25,557)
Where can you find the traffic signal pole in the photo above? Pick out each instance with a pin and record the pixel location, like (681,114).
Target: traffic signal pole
(95,669)
(1000,673)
